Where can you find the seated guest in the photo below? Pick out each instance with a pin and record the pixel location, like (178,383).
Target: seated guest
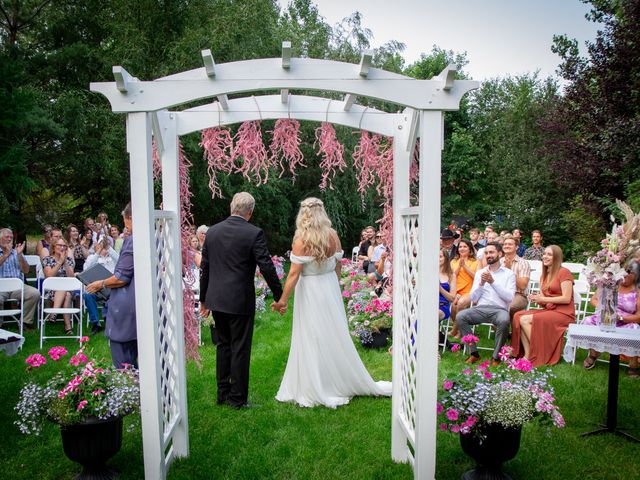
(116,238)
(493,289)
(537,334)
(56,234)
(628,313)
(45,241)
(87,239)
(363,253)
(517,234)
(464,267)
(77,247)
(535,251)
(380,278)
(106,256)
(521,268)
(375,252)
(194,247)
(474,236)
(447,241)
(60,264)
(447,289)
(14,265)
(491,237)
(201,232)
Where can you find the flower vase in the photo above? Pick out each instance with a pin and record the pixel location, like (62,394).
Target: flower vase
(607,308)
(378,339)
(490,448)
(91,443)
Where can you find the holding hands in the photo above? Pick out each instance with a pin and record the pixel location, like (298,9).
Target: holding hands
(280,307)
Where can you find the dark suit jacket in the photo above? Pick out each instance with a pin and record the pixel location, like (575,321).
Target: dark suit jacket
(231,251)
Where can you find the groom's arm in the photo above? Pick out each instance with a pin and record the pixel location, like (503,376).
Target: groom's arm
(265,264)
(204,273)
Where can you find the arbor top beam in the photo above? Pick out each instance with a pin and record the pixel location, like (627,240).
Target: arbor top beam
(269,74)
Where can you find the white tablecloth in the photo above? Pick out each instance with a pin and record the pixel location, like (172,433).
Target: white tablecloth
(621,342)
(10,348)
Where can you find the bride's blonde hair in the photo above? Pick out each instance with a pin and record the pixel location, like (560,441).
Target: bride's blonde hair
(313,228)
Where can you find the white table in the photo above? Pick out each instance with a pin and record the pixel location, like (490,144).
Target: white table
(622,341)
(11,347)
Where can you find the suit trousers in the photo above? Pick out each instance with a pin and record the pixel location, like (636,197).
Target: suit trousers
(233,356)
(499,317)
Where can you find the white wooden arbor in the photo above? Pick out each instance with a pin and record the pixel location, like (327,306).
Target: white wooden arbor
(157,237)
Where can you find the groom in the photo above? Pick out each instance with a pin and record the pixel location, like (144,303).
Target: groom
(231,251)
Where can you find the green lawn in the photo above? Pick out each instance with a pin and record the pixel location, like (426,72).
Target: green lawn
(281,441)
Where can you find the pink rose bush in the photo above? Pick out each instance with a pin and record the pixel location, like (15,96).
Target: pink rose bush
(508,395)
(79,388)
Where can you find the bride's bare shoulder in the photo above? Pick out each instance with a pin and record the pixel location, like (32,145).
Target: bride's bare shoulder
(335,241)
(298,247)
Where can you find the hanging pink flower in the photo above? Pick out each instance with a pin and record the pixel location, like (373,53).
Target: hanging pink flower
(249,147)
(217,144)
(157,165)
(366,161)
(332,153)
(285,145)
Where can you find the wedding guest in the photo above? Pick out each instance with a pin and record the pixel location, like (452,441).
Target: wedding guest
(474,236)
(121,327)
(628,312)
(77,247)
(194,246)
(106,256)
(201,233)
(14,265)
(60,264)
(116,238)
(537,334)
(491,237)
(363,253)
(464,267)
(535,251)
(521,268)
(493,289)
(88,239)
(56,234)
(447,241)
(517,234)
(45,241)
(375,252)
(447,288)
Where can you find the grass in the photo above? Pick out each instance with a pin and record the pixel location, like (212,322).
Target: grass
(282,441)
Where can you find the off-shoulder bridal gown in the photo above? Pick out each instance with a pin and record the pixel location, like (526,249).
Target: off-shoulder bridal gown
(324,367)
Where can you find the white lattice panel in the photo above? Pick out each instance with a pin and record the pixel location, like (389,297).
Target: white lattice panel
(169,285)
(408,316)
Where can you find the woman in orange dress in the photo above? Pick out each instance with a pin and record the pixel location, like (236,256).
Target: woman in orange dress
(540,332)
(464,267)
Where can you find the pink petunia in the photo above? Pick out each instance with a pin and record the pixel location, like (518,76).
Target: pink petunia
(346,294)
(455,347)
(452,414)
(36,360)
(447,385)
(470,339)
(455,428)
(84,339)
(505,353)
(467,371)
(487,375)
(443,427)
(439,408)
(81,405)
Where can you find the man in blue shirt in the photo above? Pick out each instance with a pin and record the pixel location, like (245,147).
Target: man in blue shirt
(14,265)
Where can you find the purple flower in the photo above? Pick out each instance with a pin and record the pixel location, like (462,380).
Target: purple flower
(447,385)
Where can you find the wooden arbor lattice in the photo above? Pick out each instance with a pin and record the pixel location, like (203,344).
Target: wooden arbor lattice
(416,229)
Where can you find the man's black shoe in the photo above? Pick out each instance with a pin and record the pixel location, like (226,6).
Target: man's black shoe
(96,328)
(242,406)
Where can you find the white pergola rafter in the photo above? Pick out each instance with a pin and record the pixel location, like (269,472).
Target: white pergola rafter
(416,229)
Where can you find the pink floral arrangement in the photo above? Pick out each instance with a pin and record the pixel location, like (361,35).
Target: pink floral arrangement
(332,153)
(217,144)
(511,395)
(250,148)
(80,387)
(285,145)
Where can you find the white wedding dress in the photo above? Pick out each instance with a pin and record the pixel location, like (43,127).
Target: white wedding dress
(324,367)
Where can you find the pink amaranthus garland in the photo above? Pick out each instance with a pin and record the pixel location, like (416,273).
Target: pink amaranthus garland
(249,147)
(285,145)
(332,153)
(218,150)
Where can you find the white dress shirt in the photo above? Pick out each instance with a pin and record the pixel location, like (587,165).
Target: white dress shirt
(497,294)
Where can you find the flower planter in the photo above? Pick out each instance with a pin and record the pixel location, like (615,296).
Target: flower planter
(490,449)
(91,444)
(378,339)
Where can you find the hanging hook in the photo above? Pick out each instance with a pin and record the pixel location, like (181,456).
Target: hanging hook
(361,117)
(257,106)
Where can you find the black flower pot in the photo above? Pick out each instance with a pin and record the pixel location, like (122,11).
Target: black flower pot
(91,444)
(379,339)
(490,449)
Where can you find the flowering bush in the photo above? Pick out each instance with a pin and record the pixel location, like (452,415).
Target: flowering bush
(369,316)
(84,388)
(262,289)
(509,396)
(606,267)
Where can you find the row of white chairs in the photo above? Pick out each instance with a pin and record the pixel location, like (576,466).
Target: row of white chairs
(52,284)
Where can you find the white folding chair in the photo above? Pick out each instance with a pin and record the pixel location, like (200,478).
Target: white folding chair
(535,265)
(13,315)
(61,284)
(574,267)
(34,261)
(534,285)
(354,253)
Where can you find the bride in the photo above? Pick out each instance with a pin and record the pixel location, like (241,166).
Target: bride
(323,366)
